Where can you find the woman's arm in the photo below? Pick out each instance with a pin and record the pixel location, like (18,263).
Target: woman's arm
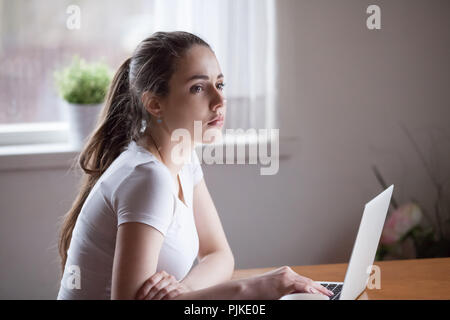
(216,261)
(135,258)
(135,261)
(212,269)
(271,285)
(229,290)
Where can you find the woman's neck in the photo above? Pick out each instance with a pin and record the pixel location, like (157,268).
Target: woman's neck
(165,146)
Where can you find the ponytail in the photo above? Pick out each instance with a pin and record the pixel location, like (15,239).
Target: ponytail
(112,133)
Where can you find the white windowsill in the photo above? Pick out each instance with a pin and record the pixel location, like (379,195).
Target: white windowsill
(60,154)
(33,133)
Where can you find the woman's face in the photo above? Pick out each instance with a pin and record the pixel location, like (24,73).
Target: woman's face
(195,94)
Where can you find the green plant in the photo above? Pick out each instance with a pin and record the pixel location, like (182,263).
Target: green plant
(82,82)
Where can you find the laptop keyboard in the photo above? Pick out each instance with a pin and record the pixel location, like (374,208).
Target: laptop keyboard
(335,288)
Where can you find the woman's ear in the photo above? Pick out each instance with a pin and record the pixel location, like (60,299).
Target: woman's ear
(152,104)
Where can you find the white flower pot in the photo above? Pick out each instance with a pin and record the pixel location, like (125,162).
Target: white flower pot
(82,119)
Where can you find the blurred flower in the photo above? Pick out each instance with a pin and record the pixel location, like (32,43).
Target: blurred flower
(400,222)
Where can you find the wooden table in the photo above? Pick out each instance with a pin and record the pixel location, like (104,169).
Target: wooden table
(400,279)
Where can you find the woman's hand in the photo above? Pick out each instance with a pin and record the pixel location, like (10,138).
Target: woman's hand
(161,286)
(274,284)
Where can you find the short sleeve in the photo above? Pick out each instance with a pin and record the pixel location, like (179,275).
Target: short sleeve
(197,171)
(145,196)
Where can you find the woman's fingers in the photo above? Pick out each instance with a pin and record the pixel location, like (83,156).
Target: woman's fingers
(323,290)
(318,288)
(310,286)
(168,292)
(148,284)
(160,286)
(315,287)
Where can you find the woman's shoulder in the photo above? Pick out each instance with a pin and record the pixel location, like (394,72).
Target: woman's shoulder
(140,174)
(133,167)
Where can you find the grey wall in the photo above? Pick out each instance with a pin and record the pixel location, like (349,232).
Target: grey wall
(342,91)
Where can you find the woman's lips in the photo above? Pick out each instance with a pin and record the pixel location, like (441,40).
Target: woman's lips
(218,122)
(215,123)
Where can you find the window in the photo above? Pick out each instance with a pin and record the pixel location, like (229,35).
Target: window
(35,41)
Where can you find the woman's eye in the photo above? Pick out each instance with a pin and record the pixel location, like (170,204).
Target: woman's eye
(195,89)
(198,88)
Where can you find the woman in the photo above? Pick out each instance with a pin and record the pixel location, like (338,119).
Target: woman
(141,218)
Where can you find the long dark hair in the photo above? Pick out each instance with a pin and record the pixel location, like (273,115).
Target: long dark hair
(121,119)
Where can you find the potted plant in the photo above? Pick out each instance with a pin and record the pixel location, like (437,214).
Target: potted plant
(83,88)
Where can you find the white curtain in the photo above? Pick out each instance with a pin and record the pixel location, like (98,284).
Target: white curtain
(241,34)
(36,41)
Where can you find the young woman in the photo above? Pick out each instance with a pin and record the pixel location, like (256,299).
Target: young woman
(141,218)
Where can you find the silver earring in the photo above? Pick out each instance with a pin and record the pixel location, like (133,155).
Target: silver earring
(143,126)
(159,120)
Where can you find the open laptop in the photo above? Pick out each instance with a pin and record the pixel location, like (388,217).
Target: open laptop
(364,249)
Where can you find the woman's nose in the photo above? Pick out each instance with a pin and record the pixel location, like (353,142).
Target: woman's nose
(219,101)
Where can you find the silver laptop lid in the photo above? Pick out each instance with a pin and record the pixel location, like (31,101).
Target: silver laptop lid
(366,244)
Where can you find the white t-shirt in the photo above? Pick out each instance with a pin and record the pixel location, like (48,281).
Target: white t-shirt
(136,187)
